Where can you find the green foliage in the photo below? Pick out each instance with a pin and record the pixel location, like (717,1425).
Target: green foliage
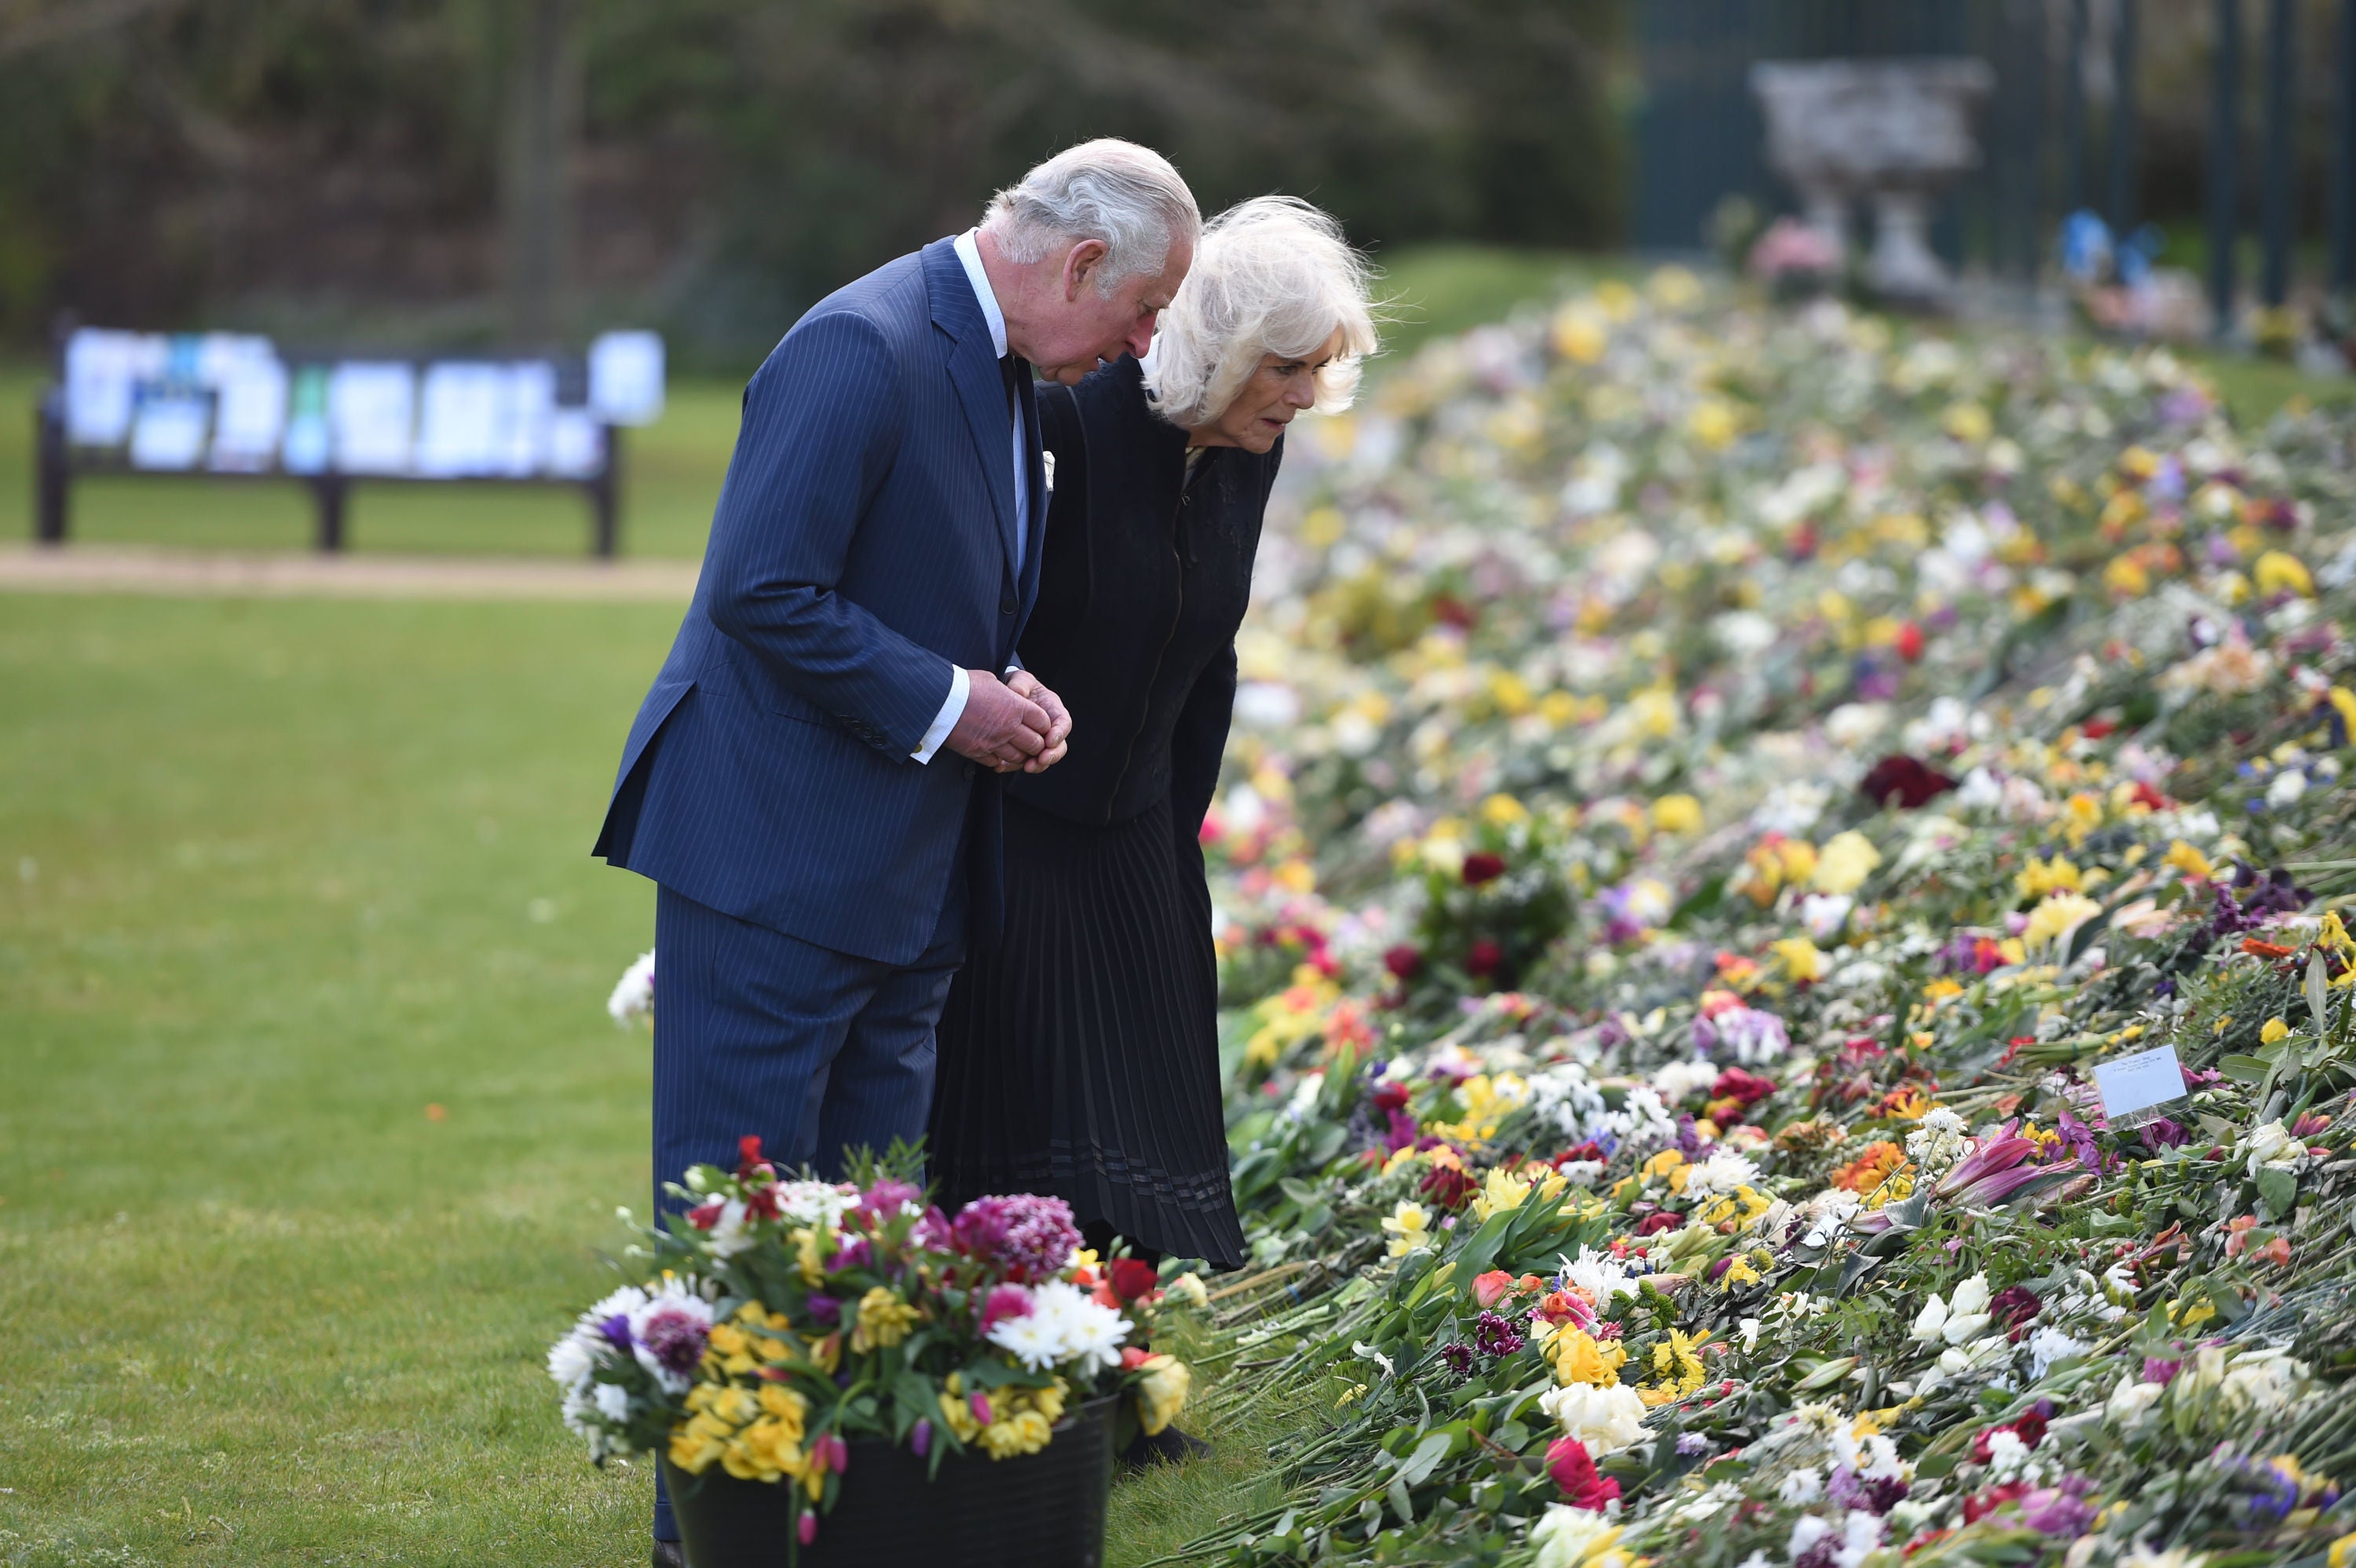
(166,164)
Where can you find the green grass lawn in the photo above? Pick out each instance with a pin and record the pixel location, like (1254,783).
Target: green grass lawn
(312,1121)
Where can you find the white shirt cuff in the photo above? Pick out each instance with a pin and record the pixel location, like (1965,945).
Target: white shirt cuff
(960,687)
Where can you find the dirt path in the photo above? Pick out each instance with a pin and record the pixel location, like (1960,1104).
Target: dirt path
(187,573)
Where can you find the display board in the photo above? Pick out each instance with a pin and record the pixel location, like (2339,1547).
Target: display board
(230,403)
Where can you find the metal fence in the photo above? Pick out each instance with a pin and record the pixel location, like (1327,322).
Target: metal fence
(2061,131)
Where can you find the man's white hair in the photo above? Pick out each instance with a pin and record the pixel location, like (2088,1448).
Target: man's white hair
(1273,275)
(1127,197)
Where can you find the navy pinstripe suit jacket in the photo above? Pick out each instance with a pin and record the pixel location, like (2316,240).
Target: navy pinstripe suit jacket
(863,543)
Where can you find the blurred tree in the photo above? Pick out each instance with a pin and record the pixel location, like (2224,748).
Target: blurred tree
(338,164)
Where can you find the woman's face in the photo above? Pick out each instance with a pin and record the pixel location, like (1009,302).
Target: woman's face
(1279,390)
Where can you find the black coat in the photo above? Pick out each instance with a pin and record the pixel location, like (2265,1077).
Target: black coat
(1144,578)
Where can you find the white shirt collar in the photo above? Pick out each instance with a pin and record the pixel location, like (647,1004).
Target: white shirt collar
(969,251)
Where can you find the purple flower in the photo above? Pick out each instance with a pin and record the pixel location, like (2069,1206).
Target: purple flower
(1004,1301)
(1494,1335)
(675,1339)
(1874,1495)
(855,1252)
(2162,1133)
(2080,1138)
(2063,1510)
(920,1438)
(825,1310)
(1692,1443)
(2158,1370)
(1459,1357)
(1752,1034)
(1027,1235)
(882,1201)
(616,1331)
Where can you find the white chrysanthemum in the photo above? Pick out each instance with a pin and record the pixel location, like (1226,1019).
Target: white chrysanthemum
(571,1360)
(1720,1175)
(1090,1333)
(1030,1340)
(1937,1143)
(1568,1100)
(576,1410)
(1600,1275)
(633,992)
(2047,1346)
(1644,1119)
(1677,1079)
(613,1401)
(1064,1327)
(1801,1487)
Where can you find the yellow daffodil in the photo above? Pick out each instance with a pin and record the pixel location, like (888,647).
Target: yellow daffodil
(1801,960)
(2189,860)
(2060,915)
(1678,814)
(1410,1228)
(883,1321)
(2278,571)
(1845,863)
(1578,1356)
(2043,877)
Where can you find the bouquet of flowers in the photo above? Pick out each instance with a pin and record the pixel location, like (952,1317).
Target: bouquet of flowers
(778,1319)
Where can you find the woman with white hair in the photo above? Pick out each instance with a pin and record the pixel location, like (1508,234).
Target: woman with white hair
(1081,1057)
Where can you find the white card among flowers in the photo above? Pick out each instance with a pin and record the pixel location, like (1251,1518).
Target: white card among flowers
(2134,1087)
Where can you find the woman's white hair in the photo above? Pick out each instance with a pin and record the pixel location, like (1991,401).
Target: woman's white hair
(1273,275)
(1127,197)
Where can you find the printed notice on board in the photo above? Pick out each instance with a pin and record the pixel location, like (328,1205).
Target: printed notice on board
(2134,1087)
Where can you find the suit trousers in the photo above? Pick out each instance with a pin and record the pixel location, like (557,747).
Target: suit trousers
(814,1051)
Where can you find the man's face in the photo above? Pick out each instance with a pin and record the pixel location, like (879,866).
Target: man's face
(1084,326)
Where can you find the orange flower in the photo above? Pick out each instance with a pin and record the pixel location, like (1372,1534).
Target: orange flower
(1871,1168)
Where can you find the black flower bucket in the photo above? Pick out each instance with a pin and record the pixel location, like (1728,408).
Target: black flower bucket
(1041,1511)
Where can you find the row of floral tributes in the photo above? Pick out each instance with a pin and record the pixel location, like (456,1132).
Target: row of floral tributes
(1710,787)
(782,1320)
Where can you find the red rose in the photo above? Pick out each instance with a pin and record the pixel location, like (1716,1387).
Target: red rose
(1448,1187)
(1484,957)
(1404,961)
(1133,1277)
(1909,641)
(1914,783)
(1734,1083)
(1483,867)
(1390,1095)
(1573,1471)
(1652,1224)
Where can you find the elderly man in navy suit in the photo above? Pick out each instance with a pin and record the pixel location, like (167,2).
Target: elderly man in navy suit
(812,779)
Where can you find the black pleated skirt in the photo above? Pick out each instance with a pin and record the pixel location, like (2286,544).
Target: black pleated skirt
(1081,1058)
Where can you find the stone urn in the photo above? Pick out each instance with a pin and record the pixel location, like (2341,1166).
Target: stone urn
(1890,132)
